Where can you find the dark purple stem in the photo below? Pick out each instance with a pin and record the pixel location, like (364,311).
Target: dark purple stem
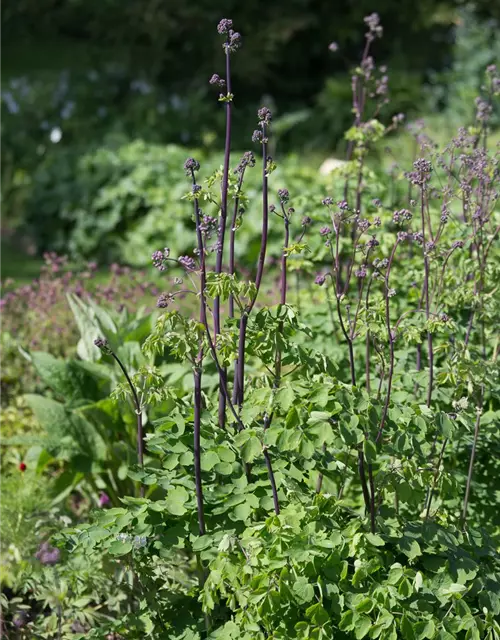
(222,232)
(390,337)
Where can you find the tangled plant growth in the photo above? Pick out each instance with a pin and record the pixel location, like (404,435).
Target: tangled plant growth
(329,484)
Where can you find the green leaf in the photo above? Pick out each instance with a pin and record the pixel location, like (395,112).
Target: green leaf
(251,449)
(303,590)
(318,614)
(119,548)
(410,547)
(395,573)
(347,621)
(407,629)
(285,397)
(242,511)
(362,625)
(175,501)
(208,460)
(370,450)
(375,539)
(365,605)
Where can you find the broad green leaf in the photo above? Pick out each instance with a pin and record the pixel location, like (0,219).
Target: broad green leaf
(375,539)
(208,460)
(119,548)
(251,449)
(175,501)
(303,590)
(362,625)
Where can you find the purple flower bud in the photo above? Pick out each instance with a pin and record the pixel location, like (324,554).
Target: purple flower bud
(264,115)
(343,206)
(458,244)
(327,201)
(333,47)
(325,231)
(102,344)
(443,317)
(191,165)
(188,263)
(361,273)
(257,136)
(247,160)
(164,300)
(224,26)
(320,279)
(283,195)
(217,81)
(306,220)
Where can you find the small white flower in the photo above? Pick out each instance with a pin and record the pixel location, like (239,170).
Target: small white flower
(140,541)
(55,135)
(122,537)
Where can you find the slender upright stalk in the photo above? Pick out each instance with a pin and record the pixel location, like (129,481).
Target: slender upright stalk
(391,338)
(472,457)
(222,225)
(239,382)
(197,373)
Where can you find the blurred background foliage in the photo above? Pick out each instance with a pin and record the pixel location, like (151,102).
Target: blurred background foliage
(99,97)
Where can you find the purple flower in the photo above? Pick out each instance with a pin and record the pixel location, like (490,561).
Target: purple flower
(343,206)
(159,258)
(402,236)
(224,26)
(373,23)
(283,195)
(444,317)
(361,273)
(217,81)
(333,47)
(320,279)
(257,136)
(104,499)
(187,262)
(247,160)
(327,201)
(164,300)
(325,231)
(306,220)
(234,41)
(401,216)
(264,115)
(48,555)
